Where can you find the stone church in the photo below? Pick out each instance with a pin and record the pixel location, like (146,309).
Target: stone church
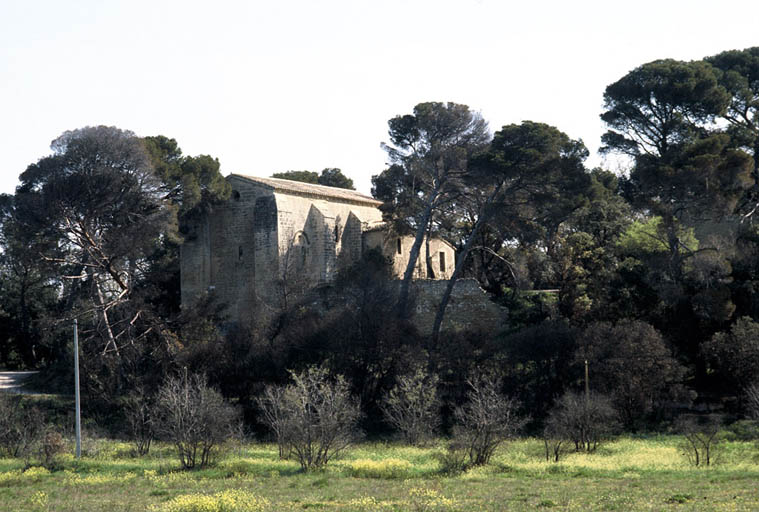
(276,238)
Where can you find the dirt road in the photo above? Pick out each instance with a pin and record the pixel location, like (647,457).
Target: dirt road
(14,382)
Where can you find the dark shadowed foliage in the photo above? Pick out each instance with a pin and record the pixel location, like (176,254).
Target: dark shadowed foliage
(631,362)
(539,364)
(735,354)
(22,426)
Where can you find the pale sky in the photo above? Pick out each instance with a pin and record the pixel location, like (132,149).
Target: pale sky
(303,85)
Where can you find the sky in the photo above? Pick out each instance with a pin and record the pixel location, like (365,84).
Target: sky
(283,85)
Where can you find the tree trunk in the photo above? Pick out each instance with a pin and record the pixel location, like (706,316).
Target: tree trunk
(452,282)
(481,219)
(110,338)
(427,258)
(414,254)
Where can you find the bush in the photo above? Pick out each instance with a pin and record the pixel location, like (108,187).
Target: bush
(413,407)
(272,406)
(194,417)
(21,426)
(454,459)
(554,443)
(742,430)
(582,420)
(52,445)
(702,438)
(138,409)
(485,421)
(315,417)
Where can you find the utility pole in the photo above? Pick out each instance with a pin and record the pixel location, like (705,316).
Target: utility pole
(587,384)
(76,392)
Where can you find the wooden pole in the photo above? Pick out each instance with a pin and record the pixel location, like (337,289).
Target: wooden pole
(587,384)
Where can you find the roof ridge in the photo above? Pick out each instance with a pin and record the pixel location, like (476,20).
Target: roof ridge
(310,188)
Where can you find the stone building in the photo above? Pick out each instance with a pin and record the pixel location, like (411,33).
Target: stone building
(276,238)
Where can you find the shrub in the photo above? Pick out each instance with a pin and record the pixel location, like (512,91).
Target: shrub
(454,459)
(554,443)
(194,417)
(272,406)
(21,426)
(742,430)
(52,445)
(580,419)
(702,438)
(138,408)
(485,421)
(315,416)
(413,407)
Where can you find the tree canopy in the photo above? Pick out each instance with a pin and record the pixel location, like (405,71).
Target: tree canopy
(650,274)
(429,152)
(329,177)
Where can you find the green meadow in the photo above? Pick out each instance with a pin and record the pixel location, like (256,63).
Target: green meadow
(626,474)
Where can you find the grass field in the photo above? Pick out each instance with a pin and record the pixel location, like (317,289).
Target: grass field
(628,474)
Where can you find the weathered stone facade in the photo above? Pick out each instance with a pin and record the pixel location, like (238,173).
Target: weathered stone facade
(469,309)
(276,238)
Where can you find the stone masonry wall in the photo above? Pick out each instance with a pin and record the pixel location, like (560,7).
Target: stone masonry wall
(265,244)
(219,254)
(469,308)
(398,249)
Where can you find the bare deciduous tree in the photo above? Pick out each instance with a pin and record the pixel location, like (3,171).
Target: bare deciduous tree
(315,417)
(195,417)
(486,420)
(701,438)
(581,419)
(554,440)
(274,415)
(139,409)
(413,406)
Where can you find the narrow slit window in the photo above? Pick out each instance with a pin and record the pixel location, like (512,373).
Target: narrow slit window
(442,261)
(399,247)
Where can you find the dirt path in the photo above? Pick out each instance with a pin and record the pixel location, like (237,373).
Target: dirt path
(13,382)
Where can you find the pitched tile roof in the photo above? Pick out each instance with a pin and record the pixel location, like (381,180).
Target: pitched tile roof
(310,189)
